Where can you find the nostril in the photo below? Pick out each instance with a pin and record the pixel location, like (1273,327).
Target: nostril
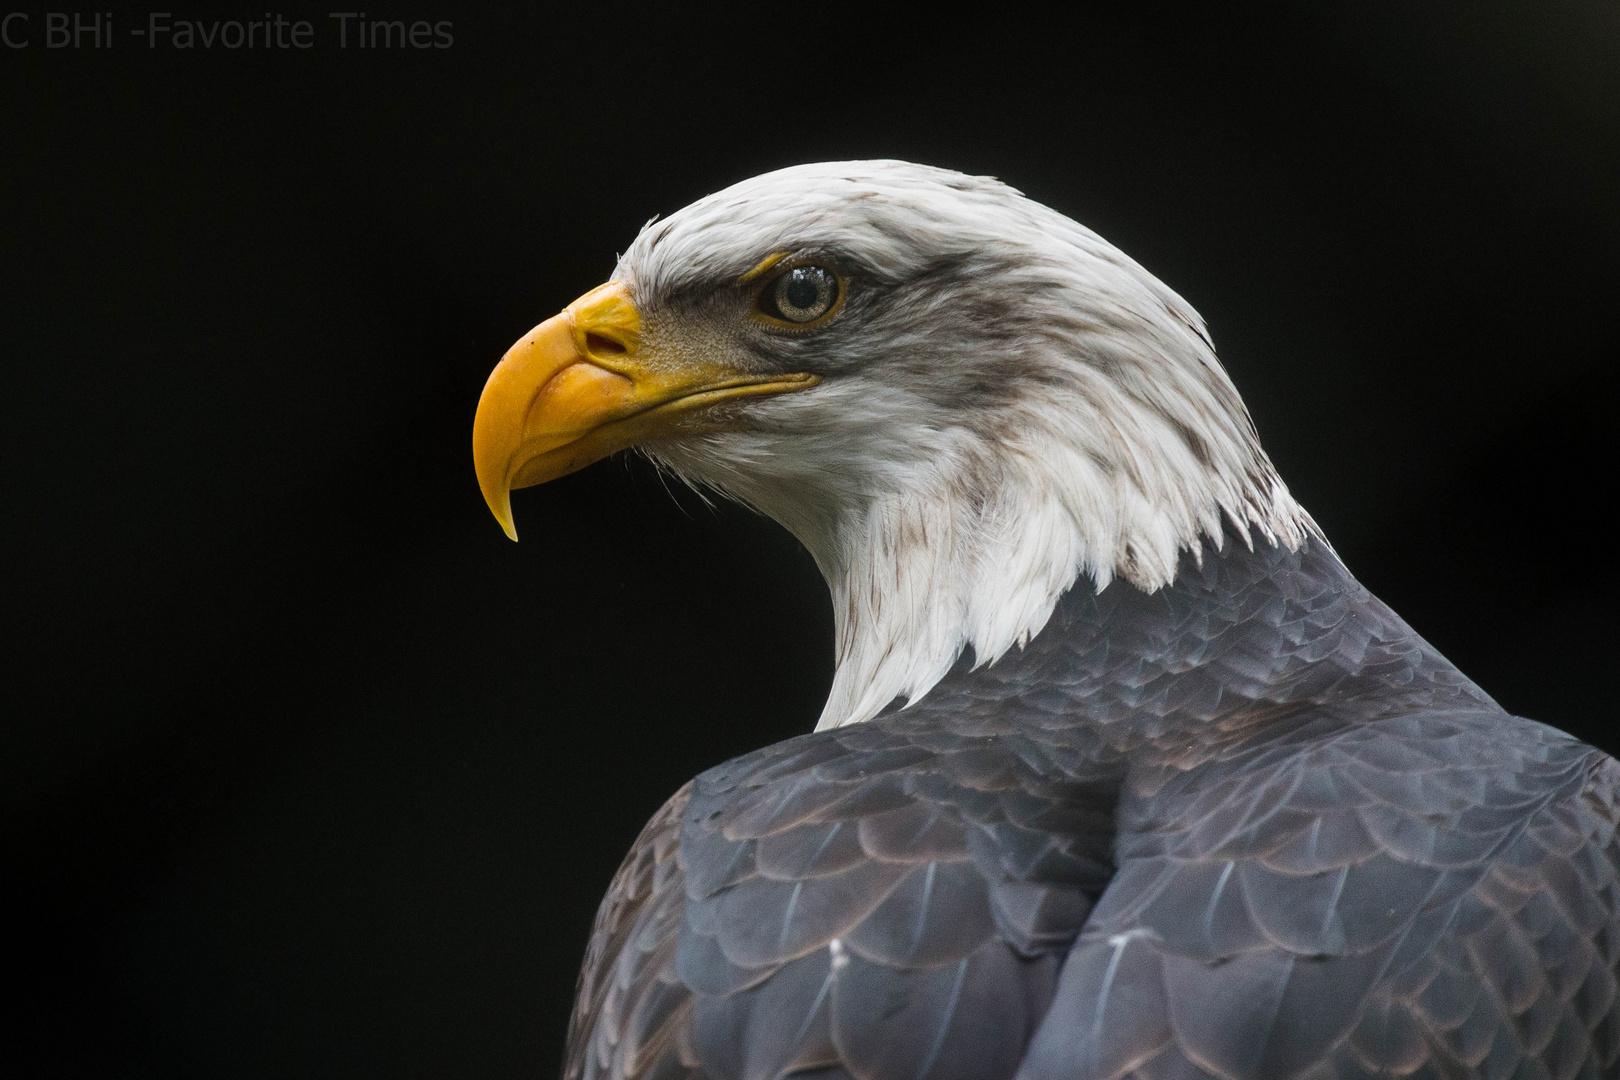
(599,345)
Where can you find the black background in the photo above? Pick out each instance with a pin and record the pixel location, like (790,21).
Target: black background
(309,772)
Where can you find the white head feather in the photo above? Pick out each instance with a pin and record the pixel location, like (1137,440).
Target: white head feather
(1008,402)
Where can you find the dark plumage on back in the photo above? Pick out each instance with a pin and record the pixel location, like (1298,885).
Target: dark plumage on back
(1250,825)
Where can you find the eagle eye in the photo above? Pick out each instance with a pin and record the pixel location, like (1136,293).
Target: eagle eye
(801,295)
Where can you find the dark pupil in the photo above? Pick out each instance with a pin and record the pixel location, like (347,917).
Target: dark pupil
(801,290)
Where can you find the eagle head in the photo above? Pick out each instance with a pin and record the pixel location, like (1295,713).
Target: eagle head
(959,400)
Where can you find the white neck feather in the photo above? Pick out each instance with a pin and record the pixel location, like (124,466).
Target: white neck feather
(956,542)
(919,575)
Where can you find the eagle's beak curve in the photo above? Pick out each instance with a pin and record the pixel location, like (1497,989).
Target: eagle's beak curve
(580,386)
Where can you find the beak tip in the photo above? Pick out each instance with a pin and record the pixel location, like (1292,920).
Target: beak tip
(499,501)
(503,514)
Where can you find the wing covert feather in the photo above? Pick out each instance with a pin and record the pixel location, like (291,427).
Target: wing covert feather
(1468,927)
(858,903)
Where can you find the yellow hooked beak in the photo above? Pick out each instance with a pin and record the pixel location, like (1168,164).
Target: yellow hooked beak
(579,387)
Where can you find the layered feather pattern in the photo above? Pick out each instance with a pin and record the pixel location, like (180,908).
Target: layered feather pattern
(1250,826)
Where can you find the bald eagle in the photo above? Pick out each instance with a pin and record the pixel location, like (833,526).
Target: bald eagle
(1122,773)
